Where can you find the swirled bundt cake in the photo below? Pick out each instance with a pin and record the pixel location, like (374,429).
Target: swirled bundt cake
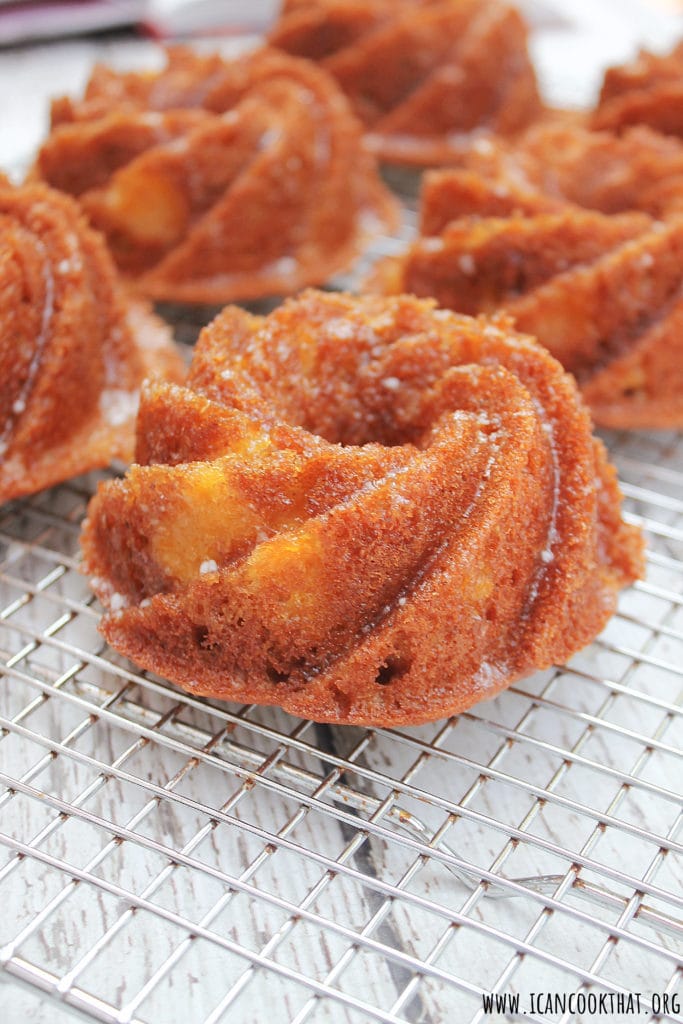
(423,77)
(647,90)
(215,180)
(556,162)
(73,352)
(603,293)
(364,510)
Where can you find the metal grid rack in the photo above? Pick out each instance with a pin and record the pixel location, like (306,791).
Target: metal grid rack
(165,858)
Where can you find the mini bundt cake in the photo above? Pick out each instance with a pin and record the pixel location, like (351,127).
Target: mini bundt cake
(364,510)
(423,77)
(73,352)
(603,293)
(555,162)
(215,180)
(647,90)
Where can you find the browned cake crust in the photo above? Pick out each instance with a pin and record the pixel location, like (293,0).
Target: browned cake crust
(557,161)
(603,293)
(73,351)
(423,77)
(216,180)
(364,510)
(647,90)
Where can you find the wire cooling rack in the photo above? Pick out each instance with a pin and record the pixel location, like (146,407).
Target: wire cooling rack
(169,859)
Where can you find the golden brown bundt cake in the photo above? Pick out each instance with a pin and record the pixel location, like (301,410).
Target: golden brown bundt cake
(647,90)
(603,293)
(215,180)
(364,510)
(423,77)
(555,162)
(73,352)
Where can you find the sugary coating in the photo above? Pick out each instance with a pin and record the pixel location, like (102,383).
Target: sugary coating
(603,293)
(647,90)
(558,161)
(73,351)
(216,180)
(364,510)
(424,77)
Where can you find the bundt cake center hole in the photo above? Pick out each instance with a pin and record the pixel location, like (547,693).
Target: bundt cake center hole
(393,667)
(366,427)
(358,415)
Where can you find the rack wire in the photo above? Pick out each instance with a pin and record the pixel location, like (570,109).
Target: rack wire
(166,859)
